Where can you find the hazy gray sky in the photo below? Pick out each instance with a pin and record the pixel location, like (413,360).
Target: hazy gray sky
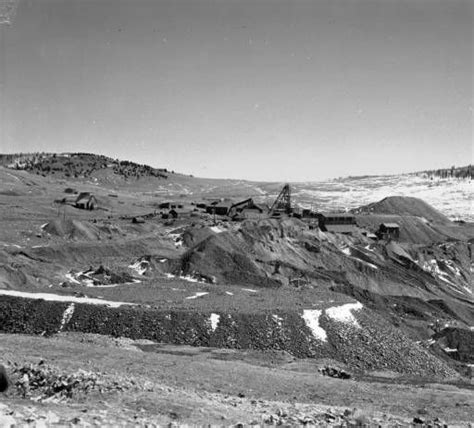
(257,89)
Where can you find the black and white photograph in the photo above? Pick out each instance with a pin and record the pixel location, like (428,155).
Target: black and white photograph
(236,213)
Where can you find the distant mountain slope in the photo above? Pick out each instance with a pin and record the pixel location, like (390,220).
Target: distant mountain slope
(452,196)
(404,205)
(78,165)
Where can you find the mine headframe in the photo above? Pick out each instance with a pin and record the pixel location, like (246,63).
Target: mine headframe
(282,204)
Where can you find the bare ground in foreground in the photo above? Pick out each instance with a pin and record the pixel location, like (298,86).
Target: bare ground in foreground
(185,385)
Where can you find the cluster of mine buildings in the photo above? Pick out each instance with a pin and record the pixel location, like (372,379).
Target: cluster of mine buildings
(224,209)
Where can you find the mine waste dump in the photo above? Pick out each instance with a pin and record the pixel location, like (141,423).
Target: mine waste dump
(380,294)
(369,300)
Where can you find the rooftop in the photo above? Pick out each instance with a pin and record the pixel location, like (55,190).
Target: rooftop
(390,225)
(341,228)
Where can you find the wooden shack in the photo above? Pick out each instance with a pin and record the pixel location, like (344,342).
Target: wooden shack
(86,201)
(337,222)
(389,231)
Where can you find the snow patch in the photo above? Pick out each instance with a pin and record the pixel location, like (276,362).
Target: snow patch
(311,318)
(250,290)
(140,266)
(217,229)
(188,278)
(229,293)
(366,263)
(214,319)
(451,196)
(71,278)
(61,298)
(344,313)
(67,315)
(198,294)
(346,251)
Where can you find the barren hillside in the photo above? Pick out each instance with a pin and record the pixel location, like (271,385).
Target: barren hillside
(149,259)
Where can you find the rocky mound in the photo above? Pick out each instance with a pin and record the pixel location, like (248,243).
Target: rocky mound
(348,333)
(457,342)
(42,382)
(72,229)
(239,256)
(225,258)
(404,205)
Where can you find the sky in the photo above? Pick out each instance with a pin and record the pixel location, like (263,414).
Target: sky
(274,90)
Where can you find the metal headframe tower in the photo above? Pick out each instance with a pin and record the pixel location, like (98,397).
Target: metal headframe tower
(282,203)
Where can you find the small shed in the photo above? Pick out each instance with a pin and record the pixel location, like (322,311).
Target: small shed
(389,231)
(86,201)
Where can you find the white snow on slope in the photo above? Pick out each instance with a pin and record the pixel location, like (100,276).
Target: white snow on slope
(453,197)
(188,278)
(214,319)
(140,266)
(71,278)
(198,294)
(344,313)
(311,318)
(67,315)
(61,298)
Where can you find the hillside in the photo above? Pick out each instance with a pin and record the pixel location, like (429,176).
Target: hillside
(149,263)
(462,172)
(404,205)
(450,196)
(78,165)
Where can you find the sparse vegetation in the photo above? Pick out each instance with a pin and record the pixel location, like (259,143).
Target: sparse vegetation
(78,165)
(461,172)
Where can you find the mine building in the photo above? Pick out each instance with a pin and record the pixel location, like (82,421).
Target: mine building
(86,201)
(168,205)
(337,222)
(220,208)
(369,234)
(308,213)
(389,231)
(245,209)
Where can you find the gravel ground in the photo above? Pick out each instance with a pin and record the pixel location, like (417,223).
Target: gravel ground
(90,380)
